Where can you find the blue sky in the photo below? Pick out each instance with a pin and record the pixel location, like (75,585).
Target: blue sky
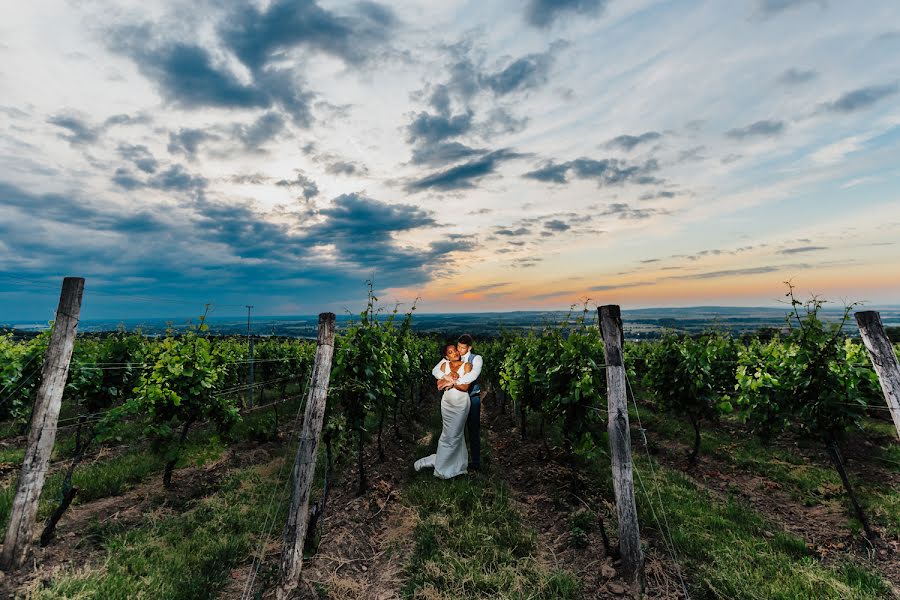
(478,155)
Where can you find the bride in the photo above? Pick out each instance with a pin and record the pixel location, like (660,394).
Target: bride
(452,457)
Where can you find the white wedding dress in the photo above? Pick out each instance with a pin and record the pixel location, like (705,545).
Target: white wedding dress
(452,457)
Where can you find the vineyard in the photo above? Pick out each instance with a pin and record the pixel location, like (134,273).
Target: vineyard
(764,466)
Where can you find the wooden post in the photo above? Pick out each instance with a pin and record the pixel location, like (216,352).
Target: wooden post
(250,403)
(620,447)
(305,462)
(883,359)
(43,425)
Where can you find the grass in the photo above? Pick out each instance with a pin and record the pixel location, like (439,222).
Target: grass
(811,484)
(471,543)
(12,455)
(188,555)
(728,550)
(103,478)
(111,477)
(178,557)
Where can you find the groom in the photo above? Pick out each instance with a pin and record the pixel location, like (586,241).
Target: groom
(473,422)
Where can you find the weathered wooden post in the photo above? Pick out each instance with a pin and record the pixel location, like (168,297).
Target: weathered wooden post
(250,387)
(883,359)
(305,462)
(620,447)
(44,418)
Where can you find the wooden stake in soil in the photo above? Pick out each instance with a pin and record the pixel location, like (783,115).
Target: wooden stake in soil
(883,358)
(43,425)
(305,462)
(620,447)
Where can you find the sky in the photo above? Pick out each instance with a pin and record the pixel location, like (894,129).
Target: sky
(478,156)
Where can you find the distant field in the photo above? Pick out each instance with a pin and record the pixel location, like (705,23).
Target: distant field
(639,324)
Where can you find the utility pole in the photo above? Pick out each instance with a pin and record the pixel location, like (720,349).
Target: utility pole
(250,341)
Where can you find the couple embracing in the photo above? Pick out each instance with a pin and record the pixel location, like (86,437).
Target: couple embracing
(457,374)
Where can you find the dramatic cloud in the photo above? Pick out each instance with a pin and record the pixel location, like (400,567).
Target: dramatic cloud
(187,141)
(861,98)
(79,132)
(443,153)
(186,73)
(463,176)
(203,240)
(542,13)
(628,142)
(430,128)
(140,156)
(346,167)
(278,152)
(453,103)
(485,288)
(505,231)
(501,121)
(525,73)
(253,179)
(555,226)
(65,209)
(124,119)
(550,172)
(361,231)
(758,129)
(802,249)
(605,172)
(189,76)
(307,186)
(263,130)
(657,195)
(258,36)
(173,179)
(627,213)
(737,272)
(177,178)
(355,216)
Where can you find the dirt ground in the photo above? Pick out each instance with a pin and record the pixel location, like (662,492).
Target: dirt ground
(73,546)
(548,499)
(825,526)
(366,540)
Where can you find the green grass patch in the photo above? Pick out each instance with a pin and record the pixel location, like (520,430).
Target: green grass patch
(113,476)
(471,543)
(727,550)
(883,506)
(881,428)
(805,482)
(14,456)
(177,557)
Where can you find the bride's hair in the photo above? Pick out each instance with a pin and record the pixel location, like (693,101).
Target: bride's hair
(444,349)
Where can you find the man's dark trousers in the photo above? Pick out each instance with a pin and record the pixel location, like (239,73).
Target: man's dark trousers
(473,425)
